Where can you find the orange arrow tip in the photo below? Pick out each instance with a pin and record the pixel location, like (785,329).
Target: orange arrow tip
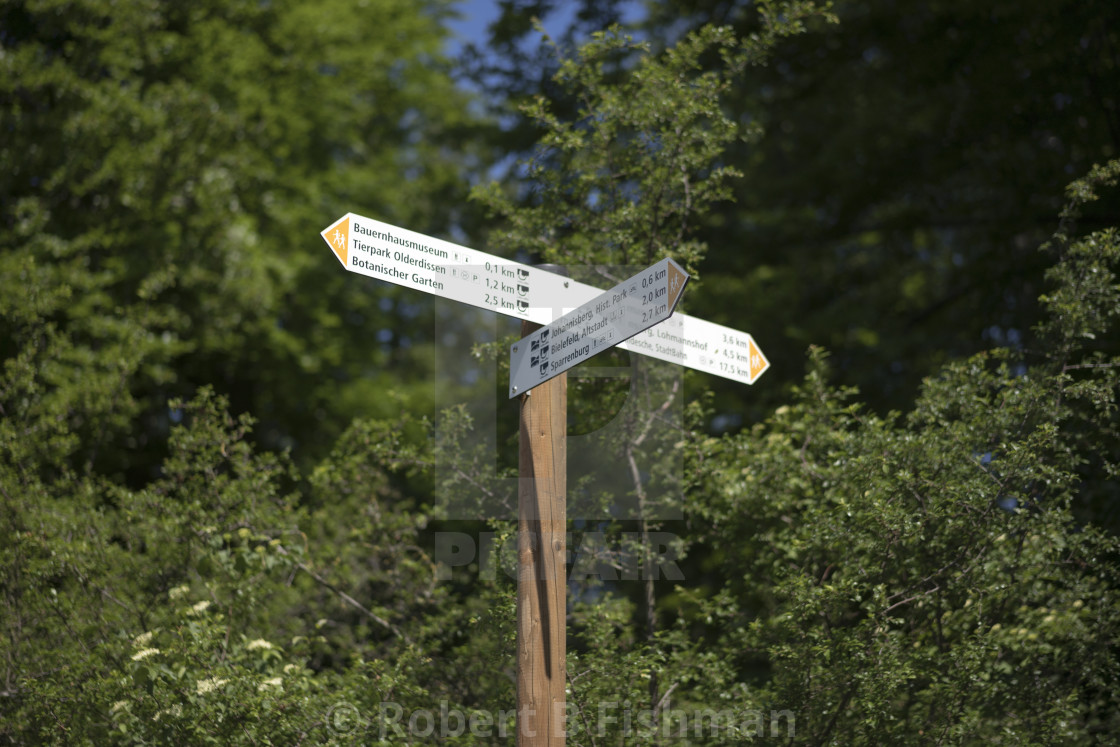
(758,362)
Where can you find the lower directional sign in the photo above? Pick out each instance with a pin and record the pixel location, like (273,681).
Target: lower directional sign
(630,307)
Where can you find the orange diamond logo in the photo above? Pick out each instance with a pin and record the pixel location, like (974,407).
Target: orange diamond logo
(757,362)
(677,278)
(338,237)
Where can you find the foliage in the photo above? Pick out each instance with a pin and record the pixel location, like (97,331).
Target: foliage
(913,158)
(167,575)
(629,178)
(159,168)
(918,578)
(624,181)
(211,606)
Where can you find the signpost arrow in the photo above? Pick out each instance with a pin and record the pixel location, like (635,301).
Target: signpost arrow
(615,316)
(396,255)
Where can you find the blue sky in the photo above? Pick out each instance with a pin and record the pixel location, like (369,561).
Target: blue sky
(477,14)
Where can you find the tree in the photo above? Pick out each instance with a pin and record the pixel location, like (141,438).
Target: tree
(920,578)
(159,169)
(909,159)
(914,157)
(168,161)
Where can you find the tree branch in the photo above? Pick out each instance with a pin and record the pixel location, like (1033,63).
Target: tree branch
(345,597)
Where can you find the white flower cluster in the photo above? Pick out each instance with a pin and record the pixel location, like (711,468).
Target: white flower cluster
(273,682)
(205,686)
(144,653)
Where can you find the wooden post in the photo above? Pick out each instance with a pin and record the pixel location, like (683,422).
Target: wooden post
(542,597)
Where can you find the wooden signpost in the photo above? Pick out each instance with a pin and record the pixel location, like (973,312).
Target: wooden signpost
(542,586)
(538,362)
(636,315)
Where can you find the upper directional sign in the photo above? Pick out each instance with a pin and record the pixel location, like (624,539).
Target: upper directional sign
(397,255)
(614,316)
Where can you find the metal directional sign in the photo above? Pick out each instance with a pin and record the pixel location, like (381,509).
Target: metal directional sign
(610,318)
(402,257)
